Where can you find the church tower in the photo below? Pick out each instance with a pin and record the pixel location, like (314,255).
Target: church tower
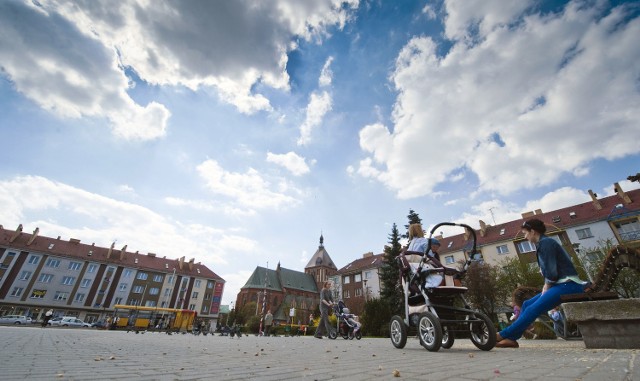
(320,266)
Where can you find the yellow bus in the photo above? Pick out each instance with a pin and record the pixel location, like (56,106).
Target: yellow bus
(149,317)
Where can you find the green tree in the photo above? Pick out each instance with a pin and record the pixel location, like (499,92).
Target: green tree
(390,290)
(243,315)
(484,290)
(515,273)
(413,218)
(375,318)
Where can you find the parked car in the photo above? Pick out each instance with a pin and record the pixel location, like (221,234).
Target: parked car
(15,319)
(100,324)
(69,321)
(54,321)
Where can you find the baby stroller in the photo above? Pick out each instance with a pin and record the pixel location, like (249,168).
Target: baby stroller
(438,313)
(348,327)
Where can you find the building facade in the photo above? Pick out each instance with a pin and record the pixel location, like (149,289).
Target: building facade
(582,229)
(359,281)
(39,273)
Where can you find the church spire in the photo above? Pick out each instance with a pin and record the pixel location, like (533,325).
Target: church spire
(321,241)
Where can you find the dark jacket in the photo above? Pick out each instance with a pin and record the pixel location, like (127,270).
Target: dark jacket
(554,261)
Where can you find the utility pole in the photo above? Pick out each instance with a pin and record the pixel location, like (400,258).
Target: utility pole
(492,216)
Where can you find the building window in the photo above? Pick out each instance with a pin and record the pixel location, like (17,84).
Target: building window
(61,295)
(79,298)
(85,283)
(34,259)
(25,275)
(194,295)
(157,278)
(127,273)
(138,289)
(584,233)
(346,280)
(358,292)
(142,276)
(449,259)
(68,280)
(197,283)
(92,268)
(150,303)
(205,309)
(118,300)
(192,306)
(53,263)
(367,275)
(206,296)
(346,294)
(45,278)
(629,230)
(133,302)
(122,287)
(38,294)
(526,247)
(167,291)
(163,305)
(502,249)
(210,284)
(170,279)
(75,265)
(358,278)
(17,291)
(154,291)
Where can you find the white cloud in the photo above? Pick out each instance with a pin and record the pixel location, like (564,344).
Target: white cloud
(249,189)
(75,213)
(319,105)
(326,75)
(522,102)
(291,161)
(82,80)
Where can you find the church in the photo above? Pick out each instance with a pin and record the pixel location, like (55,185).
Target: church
(282,289)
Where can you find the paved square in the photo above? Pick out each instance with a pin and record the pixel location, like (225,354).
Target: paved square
(34,353)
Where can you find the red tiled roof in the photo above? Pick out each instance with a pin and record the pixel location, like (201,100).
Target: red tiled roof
(370,262)
(560,219)
(74,249)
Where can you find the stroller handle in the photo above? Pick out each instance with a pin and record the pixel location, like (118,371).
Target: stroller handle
(469,228)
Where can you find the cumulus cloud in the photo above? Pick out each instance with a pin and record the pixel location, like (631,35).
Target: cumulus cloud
(326,75)
(516,99)
(250,189)
(293,162)
(84,79)
(319,104)
(76,213)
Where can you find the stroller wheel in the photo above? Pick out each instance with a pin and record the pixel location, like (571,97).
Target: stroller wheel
(358,335)
(447,338)
(483,332)
(397,331)
(332,335)
(430,332)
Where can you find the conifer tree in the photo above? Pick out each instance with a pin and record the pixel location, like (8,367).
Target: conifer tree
(391,292)
(413,218)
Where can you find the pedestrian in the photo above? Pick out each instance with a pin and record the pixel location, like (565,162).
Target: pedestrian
(326,301)
(268,321)
(47,316)
(560,278)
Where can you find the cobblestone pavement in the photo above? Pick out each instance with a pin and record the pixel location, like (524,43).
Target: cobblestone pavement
(34,353)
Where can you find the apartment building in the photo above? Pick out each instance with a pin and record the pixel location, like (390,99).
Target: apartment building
(582,229)
(359,281)
(38,273)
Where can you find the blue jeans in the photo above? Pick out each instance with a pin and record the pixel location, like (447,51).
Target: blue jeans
(537,306)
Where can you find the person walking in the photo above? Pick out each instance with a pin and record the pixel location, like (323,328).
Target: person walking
(47,316)
(326,301)
(560,278)
(268,321)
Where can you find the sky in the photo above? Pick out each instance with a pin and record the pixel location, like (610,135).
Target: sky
(237,132)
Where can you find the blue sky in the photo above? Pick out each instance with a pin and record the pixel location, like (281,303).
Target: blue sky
(237,132)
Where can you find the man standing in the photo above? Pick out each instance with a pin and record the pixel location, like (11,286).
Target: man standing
(326,301)
(268,321)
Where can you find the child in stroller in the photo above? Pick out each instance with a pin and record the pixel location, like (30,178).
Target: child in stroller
(348,325)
